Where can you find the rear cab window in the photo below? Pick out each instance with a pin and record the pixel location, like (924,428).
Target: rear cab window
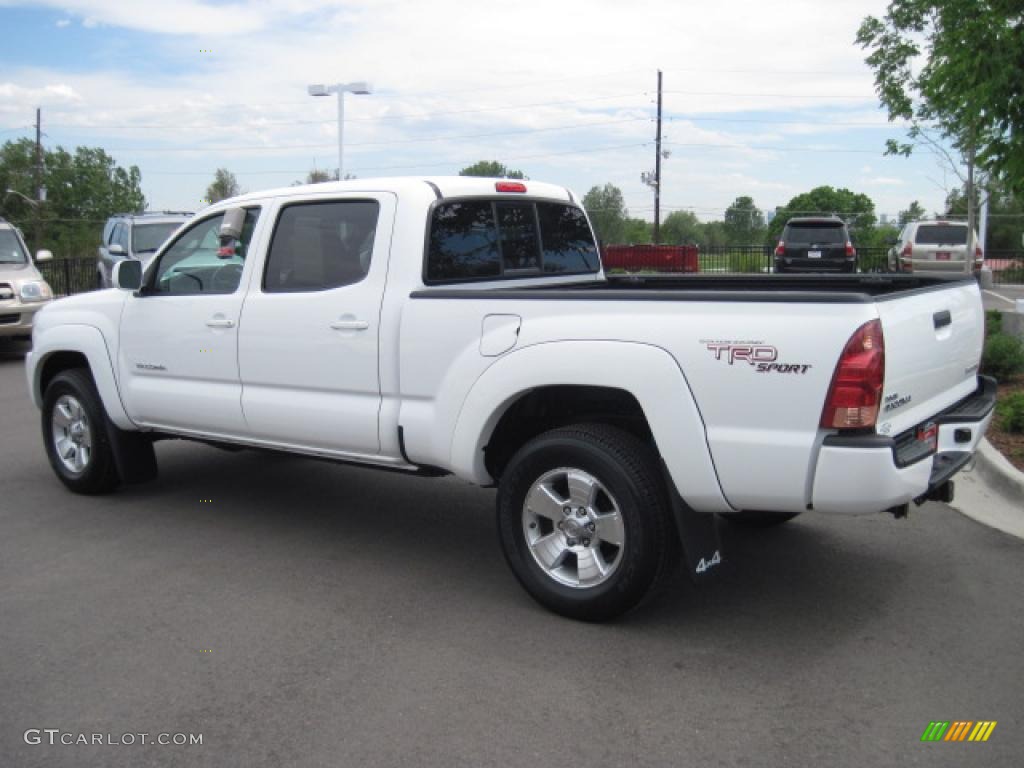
(485,239)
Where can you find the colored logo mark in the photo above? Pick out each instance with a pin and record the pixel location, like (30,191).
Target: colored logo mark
(958,730)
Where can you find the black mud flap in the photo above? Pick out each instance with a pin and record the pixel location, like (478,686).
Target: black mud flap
(698,534)
(133,455)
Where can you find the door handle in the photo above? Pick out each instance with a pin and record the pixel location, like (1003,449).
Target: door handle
(942,319)
(350,325)
(220,322)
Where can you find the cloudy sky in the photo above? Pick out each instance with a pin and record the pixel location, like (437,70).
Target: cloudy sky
(761,99)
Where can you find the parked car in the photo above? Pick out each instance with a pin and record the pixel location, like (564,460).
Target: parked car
(465,326)
(815,244)
(933,246)
(134,236)
(23,291)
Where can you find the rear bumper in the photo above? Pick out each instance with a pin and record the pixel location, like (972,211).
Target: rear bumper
(861,474)
(17,320)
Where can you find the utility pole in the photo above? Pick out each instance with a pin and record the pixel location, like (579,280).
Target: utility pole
(969,257)
(657,171)
(38,177)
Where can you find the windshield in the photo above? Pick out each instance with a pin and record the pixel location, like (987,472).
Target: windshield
(941,234)
(11,249)
(814,233)
(149,237)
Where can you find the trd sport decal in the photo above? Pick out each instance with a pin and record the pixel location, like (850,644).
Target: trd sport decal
(763,357)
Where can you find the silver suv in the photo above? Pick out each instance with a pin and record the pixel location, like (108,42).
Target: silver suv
(23,291)
(933,246)
(134,236)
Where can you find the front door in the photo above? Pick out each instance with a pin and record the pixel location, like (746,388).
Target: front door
(308,344)
(178,358)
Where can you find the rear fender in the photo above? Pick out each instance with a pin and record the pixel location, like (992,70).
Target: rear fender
(647,372)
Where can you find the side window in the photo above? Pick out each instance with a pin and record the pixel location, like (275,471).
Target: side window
(124,237)
(197,264)
(115,234)
(567,240)
(108,232)
(321,245)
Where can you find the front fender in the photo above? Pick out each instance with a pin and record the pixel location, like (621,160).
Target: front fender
(88,341)
(647,372)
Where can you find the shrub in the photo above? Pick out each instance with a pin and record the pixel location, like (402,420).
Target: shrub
(1011,413)
(747,262)
(1003,356)
(993,322)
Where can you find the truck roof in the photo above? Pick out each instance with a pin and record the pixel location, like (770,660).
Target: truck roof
(442,186)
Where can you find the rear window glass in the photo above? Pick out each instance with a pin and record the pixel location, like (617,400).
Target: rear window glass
(814,233)
(483,239)
(941,234)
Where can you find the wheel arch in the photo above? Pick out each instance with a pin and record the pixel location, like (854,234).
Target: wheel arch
(76,346)
(646,390)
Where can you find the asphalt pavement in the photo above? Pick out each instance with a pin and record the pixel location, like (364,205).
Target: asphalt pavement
(300,613)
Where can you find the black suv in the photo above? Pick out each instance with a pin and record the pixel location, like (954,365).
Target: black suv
(815,244)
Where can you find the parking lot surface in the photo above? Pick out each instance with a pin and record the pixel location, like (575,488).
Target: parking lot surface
(296,612)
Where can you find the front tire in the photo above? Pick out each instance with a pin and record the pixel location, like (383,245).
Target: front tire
(600,558)
(75,434)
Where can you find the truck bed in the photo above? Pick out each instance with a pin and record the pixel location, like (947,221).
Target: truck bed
(806,289)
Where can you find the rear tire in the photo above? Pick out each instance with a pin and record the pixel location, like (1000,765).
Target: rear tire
(604,556)
(74,427)
(749,519)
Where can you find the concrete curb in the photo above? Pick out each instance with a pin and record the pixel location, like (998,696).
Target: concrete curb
(999,472)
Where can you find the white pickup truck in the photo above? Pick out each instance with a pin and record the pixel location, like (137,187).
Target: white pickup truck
(465,326)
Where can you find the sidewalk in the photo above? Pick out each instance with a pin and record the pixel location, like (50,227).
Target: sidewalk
(992,494)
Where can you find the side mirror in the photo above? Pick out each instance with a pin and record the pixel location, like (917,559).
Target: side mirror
(43,256)
(115,249)
(127,275)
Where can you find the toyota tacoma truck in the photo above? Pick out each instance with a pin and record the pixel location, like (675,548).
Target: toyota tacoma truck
(465,326)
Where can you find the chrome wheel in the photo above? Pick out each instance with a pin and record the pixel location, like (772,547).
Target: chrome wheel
(72,435)
(573,528)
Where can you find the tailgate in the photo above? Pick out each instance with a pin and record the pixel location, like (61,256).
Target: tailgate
(933,342)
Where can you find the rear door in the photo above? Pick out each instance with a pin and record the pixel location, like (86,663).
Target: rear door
(308,345)
(933,343)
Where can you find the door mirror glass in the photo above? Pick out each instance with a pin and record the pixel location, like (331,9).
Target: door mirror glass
(115,249)
(128,275)
(44,256)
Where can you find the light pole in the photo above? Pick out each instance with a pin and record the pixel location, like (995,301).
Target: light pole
(359,87)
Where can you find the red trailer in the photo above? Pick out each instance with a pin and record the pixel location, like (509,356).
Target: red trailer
(657,258)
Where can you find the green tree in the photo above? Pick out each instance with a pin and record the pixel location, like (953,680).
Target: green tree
(744,222)
(681,228)
(83,189)
(857,210)
(607,211)
(223,186)
(1006,215)
(491,169)
(914,212)
(319,176)
(637,231)
(715,234)
(954,65)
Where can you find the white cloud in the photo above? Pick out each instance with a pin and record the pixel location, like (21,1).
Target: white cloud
(61,23)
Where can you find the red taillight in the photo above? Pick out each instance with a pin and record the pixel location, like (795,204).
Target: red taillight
(780,249)
(850,252)
(856,390)
(510,186)
(908,251)
(978,253)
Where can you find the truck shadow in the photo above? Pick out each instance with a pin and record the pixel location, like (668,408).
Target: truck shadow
(434,540)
